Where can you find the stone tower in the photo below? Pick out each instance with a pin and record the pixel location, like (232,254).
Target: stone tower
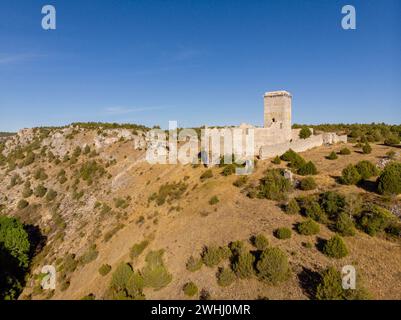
(277,112)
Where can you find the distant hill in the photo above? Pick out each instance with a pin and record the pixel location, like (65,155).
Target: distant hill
(7,134)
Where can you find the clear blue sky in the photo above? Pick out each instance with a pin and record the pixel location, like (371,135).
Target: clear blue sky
(198,61)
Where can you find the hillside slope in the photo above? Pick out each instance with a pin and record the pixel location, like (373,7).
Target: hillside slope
(92,200)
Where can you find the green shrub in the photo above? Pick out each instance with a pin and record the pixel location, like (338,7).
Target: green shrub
(90,255)
(138,248)
(91,170)
(241,181)
(274,185)
(243,264)
(392,141)
(345,225)
(305,133)
(22,204)
(169,192)
(212,256)
(225,277)
(121,280)
(345,151)
(29,159)
(282,233)
(332,156)
(350,175)
(155,274)
(40,174)
(87,150)
(393,229)
(89,297)
(260,242)
(330,286)
(308,184)
(206,175)
(237,247)
(332,203)
(228,170)
(214,200)
(366,169)
(190,289)
(51,195)
(390,154)
(276,160)
(308,227)
(121,203)
(389,181)
(77,152)
(308,168)
(27,191)
(273,266)
(374,219)
(294,159)
(335,247)
(104,270)
(40,191)
(15,180)
(292,207)
(366,148)
(313,210)
(194,264)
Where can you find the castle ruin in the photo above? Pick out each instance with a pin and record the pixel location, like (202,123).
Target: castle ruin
(277,135)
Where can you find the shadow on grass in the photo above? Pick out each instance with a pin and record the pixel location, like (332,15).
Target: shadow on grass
(309,281)
(320,244)
(367,185)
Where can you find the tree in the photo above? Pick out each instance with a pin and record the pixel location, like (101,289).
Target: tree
(273,266)
(350,175)
(305,133)
(335,247)
(14,257)
(389,182)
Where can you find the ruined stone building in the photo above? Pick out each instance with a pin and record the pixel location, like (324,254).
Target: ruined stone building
(277,135)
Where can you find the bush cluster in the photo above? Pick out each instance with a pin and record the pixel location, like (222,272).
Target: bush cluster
(389,181)
(335,247)
(308,227)
(260,242)
(305,133)
(169,192)
(190,289)
(308,184)
(332,156)
(212,256)
(194,264)
(274,185)
(273,266)
(282,233)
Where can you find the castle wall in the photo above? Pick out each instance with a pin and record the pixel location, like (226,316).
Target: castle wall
(300,145)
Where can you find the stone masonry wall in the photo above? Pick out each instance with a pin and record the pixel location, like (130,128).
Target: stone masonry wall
(298,146)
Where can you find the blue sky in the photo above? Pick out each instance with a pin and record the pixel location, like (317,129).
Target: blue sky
(198,61)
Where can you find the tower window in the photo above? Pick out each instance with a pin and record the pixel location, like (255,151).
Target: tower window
(274,119)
